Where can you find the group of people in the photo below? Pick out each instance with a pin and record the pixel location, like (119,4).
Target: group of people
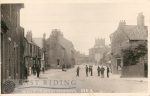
(35,71)
(89,70)
(100,71)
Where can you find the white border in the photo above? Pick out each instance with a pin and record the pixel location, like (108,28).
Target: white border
(86,1)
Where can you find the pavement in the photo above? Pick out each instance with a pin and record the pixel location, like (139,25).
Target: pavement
(139,79)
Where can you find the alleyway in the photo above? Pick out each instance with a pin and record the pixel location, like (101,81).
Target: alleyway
(81,84)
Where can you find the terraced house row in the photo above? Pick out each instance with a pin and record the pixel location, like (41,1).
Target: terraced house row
(17,51)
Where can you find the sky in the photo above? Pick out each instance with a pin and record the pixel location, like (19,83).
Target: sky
(80,23)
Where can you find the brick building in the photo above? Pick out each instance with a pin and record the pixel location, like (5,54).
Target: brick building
(60,50)
(11,42)
(124,36)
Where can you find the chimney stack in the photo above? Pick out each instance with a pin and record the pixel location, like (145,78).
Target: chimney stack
(140,20)
(29,35)
(122,23)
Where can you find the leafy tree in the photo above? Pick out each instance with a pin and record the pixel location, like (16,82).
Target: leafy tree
(133,53)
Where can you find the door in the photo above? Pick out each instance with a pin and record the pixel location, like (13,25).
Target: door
(118,64)
(145,70)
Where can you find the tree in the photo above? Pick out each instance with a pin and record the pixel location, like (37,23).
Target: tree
(133,53)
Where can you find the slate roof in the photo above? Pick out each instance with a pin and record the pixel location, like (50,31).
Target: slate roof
(135,33)
(65,43)
(38,42)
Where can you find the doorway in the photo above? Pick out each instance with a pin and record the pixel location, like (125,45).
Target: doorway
(118,64)
(145,70)
(58,62)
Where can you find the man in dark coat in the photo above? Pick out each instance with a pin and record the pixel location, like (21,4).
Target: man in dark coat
(33,69)
(38,71)
(91,70)
(63,66)
(78,69)
(43,69)
(86,69)
(25,72)
(102,72)
(108,72)
(98,70)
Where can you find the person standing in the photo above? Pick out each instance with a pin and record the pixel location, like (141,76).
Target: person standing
(91,70)
(38,71)
(43,70)
(108,72)
(33,69)
(25,72)
(78,69)
(86,69)
(102,72)
(98,70)
(30,71)
(63,66)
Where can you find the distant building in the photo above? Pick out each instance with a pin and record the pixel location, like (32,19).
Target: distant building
(81,58)
(41,43)
(96,53)
(60,50)
(32,55)
(106,59)
(127,35)
(12,35)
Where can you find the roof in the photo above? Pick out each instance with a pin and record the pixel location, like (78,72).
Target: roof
(32,42)
(38,42)
(65,43)
(135,33)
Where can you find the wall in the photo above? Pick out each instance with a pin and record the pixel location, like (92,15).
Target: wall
(11,50)
(133,70)
(138,69)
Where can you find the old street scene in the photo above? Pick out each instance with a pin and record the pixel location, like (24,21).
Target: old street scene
(74,48)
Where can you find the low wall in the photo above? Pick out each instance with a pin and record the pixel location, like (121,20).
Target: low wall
(133,70)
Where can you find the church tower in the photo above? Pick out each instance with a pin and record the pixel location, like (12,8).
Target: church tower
(29,35)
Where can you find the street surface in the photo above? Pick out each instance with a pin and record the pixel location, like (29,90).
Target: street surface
(58,81)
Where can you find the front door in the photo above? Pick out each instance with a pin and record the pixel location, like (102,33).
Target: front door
(145,70)
(118,64)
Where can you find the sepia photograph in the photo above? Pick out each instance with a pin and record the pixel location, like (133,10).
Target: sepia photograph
(74,47)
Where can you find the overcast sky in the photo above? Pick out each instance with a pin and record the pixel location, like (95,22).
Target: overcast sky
(80,23)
